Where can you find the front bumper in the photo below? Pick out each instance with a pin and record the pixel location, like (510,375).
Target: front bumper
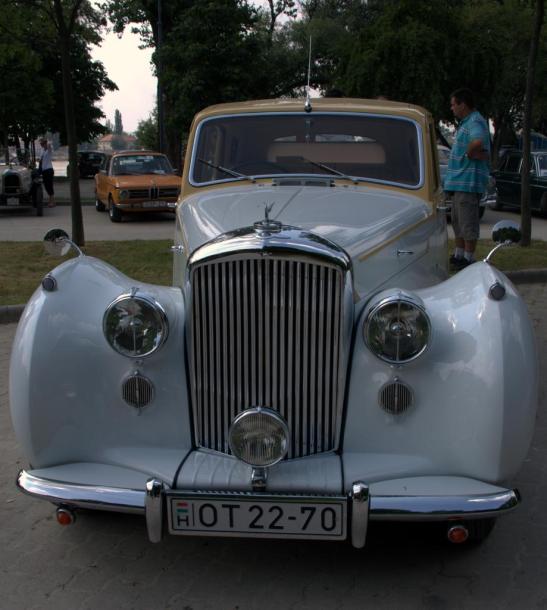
(363,505)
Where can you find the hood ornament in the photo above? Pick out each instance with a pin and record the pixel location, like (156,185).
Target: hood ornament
(267,225)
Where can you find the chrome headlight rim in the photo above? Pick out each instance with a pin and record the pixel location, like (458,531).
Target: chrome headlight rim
(123,194)
(397,297)
(254,411)
(162,319)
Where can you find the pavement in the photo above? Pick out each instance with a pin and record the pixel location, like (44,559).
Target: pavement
(105,562)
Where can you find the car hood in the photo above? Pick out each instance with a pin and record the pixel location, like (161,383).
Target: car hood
(145,180)
(356,218)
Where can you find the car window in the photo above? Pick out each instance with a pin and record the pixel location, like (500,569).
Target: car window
(128,165)
(377,148)
(512,164)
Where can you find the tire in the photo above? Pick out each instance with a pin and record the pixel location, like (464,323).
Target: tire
(113,212)
(481,211)
(99,205)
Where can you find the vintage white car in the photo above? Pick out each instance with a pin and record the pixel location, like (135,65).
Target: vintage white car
(21,186)
(311,370)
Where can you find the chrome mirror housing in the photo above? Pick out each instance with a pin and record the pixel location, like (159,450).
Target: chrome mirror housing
(504,233)
(57,243)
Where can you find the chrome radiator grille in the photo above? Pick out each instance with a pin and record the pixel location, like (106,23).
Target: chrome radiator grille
(267,332)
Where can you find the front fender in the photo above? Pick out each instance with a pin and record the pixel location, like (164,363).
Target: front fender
(65,379)
(475,390)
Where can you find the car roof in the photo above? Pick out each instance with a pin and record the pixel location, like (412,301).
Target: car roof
(320,104)
(123,153)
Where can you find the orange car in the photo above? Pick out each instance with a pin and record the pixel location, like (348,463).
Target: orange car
(136,181)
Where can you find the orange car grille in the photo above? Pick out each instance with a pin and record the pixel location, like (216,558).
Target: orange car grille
(154,192)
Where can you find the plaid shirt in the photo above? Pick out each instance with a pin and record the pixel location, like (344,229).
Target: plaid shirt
(464,174)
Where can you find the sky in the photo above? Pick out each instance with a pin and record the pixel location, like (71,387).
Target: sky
(130,68)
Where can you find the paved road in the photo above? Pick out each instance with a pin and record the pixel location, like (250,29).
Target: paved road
(17,226)
(105,562)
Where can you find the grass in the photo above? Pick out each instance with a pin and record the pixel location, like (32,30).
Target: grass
(24,264)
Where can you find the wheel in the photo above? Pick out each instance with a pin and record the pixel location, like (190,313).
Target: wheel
(99,205)
(113,212)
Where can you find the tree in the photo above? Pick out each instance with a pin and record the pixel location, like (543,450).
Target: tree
(118,125)
(58,34)
(526,220)
(230,51)
(147,131)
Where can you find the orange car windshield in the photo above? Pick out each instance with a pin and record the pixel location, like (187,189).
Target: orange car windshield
(137,165)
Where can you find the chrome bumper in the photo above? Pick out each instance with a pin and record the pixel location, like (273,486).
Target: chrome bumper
(362,506)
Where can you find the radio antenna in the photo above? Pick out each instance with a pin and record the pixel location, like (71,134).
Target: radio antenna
(307,105)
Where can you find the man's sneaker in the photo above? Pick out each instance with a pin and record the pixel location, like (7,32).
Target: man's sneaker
(456,261)
(462,263)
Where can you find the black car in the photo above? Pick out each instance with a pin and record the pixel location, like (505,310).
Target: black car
(89,163)
(508,181)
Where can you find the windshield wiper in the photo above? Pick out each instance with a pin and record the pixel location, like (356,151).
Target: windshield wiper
(230,172)
(331,170)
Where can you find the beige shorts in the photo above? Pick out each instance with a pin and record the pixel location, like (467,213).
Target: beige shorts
(465,215)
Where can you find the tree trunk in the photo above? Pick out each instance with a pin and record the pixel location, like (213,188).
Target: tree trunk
(70,122)
(526,217)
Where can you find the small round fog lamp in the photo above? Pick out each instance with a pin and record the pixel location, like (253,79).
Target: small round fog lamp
(259,437)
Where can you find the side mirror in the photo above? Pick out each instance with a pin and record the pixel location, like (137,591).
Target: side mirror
(57,243)
(506,232)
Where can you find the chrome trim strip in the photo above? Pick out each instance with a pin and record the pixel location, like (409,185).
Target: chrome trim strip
(153,509)
(82,496)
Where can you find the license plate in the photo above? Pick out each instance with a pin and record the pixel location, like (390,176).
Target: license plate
(154,204)
(258,516)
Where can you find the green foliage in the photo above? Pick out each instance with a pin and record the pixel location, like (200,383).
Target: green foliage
(147,132)
(31,88)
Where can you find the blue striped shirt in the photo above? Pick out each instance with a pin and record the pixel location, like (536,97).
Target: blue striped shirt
(464,174)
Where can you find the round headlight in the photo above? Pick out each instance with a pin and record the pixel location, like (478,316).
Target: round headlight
(124,194)
(259,437)
(397,329)
(135,326)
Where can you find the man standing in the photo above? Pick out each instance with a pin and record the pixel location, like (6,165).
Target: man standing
(467,175)
(46,167)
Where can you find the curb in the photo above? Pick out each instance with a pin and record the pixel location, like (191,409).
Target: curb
(11,313)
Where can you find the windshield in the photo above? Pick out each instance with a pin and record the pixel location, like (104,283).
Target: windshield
(140,164)
(383,149)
